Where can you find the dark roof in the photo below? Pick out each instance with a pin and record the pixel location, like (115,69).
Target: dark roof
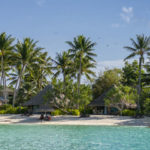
(39,98)
(100,100)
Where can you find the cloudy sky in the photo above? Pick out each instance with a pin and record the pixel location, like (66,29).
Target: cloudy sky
(109,23)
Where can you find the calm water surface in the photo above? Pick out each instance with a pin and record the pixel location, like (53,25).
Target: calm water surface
(49,137)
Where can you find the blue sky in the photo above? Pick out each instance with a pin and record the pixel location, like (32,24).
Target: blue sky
(109,23)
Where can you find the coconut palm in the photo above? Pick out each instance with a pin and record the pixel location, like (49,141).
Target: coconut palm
(26,53)
(81,48)
(87,69)
(41,71)
(62,65)
(140,47)
(5,50)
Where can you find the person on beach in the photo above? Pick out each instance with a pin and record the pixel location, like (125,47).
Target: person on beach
(42,117)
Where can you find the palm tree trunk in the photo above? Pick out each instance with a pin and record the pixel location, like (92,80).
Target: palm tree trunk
(79,82)
(139,85)
(2,70)
(14,96)
(5,93)
(79,77)
(64,81)
(3,80)
(17,86)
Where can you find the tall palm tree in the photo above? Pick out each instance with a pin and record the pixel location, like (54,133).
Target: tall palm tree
(41,71)
(5,50)
(81,48)
(62,65)
(140,47)
(26,53)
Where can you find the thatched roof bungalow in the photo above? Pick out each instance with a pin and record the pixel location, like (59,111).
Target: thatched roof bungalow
(38,102)
(99,106)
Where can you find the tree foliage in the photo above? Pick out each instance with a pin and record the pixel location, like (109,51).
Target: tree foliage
(105,81)
(121,97)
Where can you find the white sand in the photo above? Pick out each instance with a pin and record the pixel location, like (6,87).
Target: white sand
(73,120)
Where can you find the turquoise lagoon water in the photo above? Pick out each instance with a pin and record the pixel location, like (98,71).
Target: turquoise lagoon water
(50,137)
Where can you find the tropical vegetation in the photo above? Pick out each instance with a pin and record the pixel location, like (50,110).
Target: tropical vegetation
(26,68)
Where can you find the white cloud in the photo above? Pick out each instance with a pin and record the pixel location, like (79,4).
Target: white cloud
(109,64)
(40,2)
(127,14)
(115,25)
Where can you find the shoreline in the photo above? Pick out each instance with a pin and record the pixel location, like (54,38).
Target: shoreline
(93,120)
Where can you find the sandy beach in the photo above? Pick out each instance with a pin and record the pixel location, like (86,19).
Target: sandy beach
(74,120)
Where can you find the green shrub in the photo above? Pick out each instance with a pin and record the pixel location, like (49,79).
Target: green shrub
(128,112)
(11,110)
(57,112)
(147,107)
(75,112)
(5,107)
(21,110)
(2,112)
(86,111)
(8,109)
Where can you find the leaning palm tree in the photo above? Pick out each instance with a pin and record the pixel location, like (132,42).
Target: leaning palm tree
(140,47)
(81,47)
(26,53)
(5,50)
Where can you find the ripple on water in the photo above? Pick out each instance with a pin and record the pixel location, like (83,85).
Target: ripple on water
(50,137)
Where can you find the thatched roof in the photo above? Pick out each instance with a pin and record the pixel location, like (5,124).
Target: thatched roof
(100,100)
(39,98)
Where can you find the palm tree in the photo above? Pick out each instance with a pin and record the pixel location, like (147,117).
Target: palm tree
(42,70)
(26,53)
(87,69)
(140,47)
(62,65)
(81,48)
(5,50)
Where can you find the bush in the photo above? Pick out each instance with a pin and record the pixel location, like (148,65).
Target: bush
(8,109)
(5,107)
(128,112)
(57,112)
(21,110)
(2,112)
(86,111)
(75,112)
(147,107)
